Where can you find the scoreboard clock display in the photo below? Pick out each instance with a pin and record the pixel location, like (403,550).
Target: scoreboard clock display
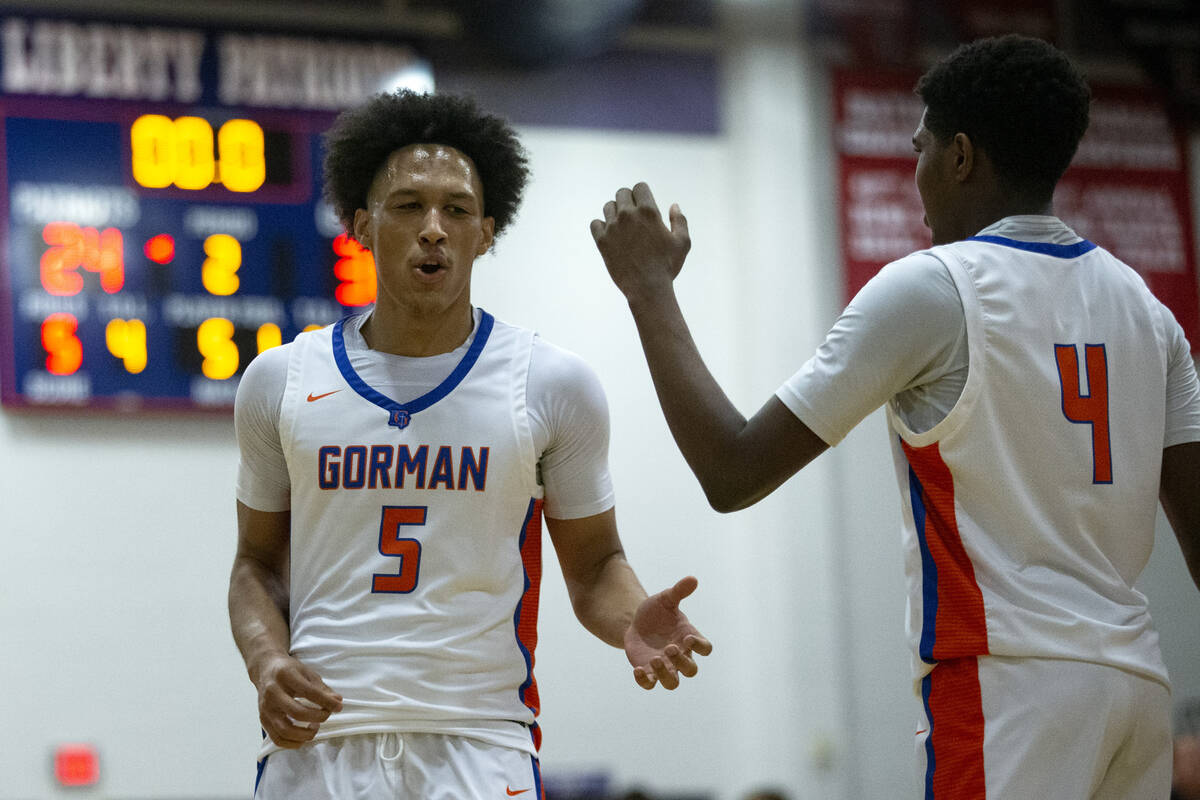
(154,247)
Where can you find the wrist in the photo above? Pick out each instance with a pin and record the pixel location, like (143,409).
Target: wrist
(648,295)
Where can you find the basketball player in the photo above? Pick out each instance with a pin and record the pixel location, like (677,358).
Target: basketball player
(1040,401)
(394,471)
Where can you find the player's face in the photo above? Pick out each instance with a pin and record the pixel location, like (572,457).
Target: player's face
(425,226)
(935,183)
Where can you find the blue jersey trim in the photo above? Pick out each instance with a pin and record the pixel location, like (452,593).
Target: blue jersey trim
(1045,248)
(399,414)
(929,572)
(523,689)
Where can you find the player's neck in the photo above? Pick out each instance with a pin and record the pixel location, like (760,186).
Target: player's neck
(407,332)
(991,209)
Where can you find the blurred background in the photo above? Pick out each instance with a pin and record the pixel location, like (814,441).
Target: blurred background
(782,129)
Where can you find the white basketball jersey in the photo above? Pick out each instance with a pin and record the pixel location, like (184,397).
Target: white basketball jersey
(416,540)
(1030,509)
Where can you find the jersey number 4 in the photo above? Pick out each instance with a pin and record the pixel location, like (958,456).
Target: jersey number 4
(1090,408)
(393,519)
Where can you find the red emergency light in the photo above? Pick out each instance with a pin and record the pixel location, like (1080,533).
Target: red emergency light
(76,765)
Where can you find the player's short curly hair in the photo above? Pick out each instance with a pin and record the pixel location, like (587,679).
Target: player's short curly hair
(1019,99)
(362,138)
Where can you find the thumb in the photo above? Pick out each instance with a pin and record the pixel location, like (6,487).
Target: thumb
(680,590)
(679,226)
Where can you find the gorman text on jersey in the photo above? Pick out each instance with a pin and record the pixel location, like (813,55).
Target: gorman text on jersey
(386,466)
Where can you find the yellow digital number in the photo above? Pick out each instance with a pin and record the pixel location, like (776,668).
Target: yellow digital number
(243,155)
(219,271)
(126,340)
(195,166)
(155,149)
(269,335)
(214,339)
(181,152)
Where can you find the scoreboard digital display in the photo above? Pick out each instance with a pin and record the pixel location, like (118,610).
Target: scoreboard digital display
(162,209)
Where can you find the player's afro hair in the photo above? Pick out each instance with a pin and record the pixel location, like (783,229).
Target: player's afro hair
(362,138)
(1018,99)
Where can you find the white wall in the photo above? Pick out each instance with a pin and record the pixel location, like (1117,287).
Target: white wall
(116,533)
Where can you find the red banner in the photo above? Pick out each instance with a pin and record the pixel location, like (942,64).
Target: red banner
(1127,189)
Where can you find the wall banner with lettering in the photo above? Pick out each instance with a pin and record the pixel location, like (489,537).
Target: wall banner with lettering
(1127,189)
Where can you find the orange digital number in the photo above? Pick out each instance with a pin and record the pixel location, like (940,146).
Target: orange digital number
(72,247)
(355,268)
(63,348)
(214,339)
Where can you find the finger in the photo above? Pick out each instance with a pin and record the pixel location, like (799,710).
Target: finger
(644,678)
(610,211)
(286,733)
(697,644)
(597,228)
(308,711)
(278,705)
(309,687)
(644,198)
(682,662)
(679,226)
(624,200)
(664,672)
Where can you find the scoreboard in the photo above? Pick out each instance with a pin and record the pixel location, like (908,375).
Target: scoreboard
(161,204)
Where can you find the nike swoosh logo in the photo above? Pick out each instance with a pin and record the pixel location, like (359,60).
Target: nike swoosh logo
(511,793)
(312,397)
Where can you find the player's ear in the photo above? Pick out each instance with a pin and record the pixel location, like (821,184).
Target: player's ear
(964,155)
(488,226)
(362,227)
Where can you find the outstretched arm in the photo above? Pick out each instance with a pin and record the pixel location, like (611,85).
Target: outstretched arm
(1179,492)
(610,602)
(737,461)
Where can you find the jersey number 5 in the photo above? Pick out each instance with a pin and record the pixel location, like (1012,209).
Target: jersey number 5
(1090,408)
(407,550)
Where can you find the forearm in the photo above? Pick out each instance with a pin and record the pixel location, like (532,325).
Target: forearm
(605,605)
(257,613)
(704,422)
(1179,491)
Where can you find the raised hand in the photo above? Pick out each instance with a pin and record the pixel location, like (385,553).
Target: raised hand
(638,249)
(660,641)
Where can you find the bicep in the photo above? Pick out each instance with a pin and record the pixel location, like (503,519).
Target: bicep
(773,446)
(262,477)
(1179,491)
(264,537)
(569,415)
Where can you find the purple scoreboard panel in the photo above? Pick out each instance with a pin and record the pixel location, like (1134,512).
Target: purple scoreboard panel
(161,205)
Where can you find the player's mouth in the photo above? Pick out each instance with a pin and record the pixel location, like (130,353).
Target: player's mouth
(430,267)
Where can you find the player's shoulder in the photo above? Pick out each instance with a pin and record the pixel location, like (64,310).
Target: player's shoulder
(265,377)
(562,373)
(551,356)
(917,281)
